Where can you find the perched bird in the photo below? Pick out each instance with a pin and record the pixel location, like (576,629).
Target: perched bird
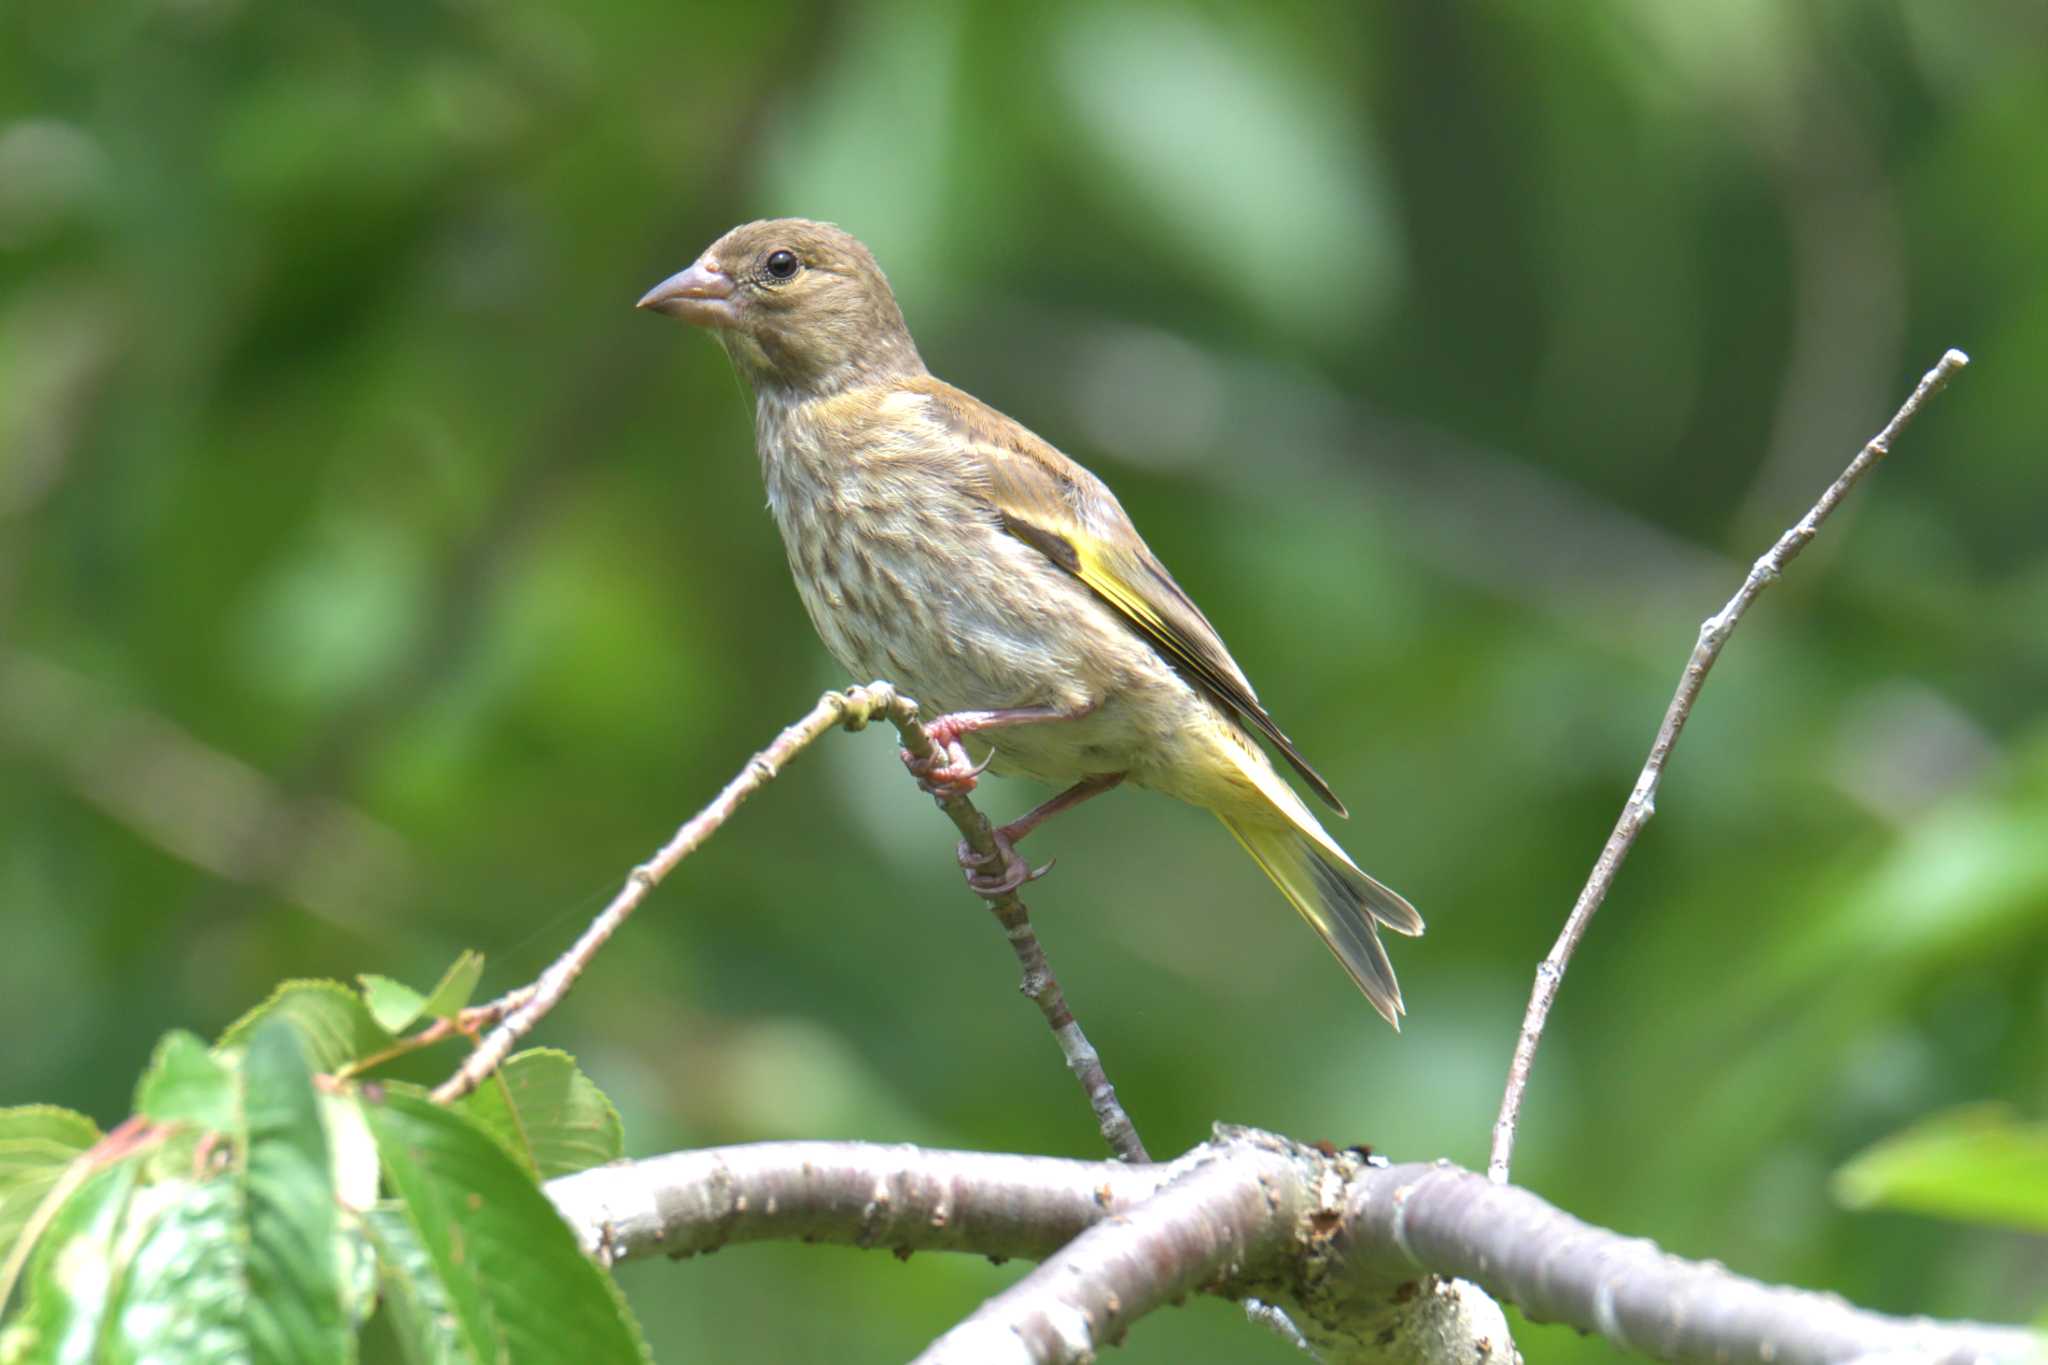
(940,545)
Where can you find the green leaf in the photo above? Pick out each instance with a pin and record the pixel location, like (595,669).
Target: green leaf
(332,1022)
(547,1113)
(451,995)
(1979,1164)
(421,1317)
(511,1281)
(393,1004)
(69,1285)
(295,1286)
(48,1123)
(186,1083)
(245,1265)
(37,1143)
(185,1295)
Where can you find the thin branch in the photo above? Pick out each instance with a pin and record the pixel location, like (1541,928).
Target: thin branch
(1038,983)
(853,709)
(1642,802)
(1245,1215)
(468,1022)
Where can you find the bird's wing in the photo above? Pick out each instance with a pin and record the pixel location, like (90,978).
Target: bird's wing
(1070,516)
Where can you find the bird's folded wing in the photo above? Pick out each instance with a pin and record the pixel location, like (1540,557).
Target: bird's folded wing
(1068,515)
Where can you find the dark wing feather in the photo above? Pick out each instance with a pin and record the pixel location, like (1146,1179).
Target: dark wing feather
(1068,515)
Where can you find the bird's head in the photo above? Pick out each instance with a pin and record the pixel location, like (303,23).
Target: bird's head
(798,305)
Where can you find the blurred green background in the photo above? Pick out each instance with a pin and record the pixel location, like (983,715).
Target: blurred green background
(375,582)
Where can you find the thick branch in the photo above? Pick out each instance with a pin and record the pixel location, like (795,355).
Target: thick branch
(1642,802)
(1558,1269)
(1248,1214)
(1226,1213)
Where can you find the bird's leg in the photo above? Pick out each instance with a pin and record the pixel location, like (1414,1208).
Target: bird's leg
(1045,810)
(949,772)
(1016,871)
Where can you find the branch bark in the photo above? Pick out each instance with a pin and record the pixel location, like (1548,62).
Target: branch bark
(833,709)
(1642,801)
(1373,1262)
(854,708)
(1039,985)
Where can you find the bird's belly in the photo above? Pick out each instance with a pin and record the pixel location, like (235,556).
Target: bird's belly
(996,627)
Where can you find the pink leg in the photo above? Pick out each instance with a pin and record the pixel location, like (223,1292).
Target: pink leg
(949,772)
(1073,796)
(1016,871)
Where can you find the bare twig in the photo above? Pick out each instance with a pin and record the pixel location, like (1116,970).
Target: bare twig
(1246,1214)
(853,709)
(1038,984)
(468,1022)
(1642,802)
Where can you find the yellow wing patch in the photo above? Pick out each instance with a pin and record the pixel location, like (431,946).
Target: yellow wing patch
(1068,515)
(1179,640)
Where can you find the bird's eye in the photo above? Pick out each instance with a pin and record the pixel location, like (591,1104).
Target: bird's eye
(782,264)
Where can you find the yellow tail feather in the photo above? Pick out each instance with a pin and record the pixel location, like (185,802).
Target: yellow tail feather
(1340,902)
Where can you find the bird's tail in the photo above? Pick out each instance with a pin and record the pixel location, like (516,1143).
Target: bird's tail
(1338,899)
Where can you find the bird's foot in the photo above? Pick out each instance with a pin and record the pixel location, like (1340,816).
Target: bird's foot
(1015,871)
(948,771)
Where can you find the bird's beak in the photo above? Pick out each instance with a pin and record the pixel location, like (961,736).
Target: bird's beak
(703,294)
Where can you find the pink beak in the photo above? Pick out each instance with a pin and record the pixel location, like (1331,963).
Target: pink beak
(702,294)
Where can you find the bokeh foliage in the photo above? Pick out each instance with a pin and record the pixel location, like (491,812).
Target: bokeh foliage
(374,583)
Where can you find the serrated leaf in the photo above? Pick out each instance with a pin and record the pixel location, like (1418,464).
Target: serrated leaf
(48,1123)
(296,1310)
(186,1083)
(332,1022)
(451,994)
(393,1004)
(245,1265)
(514,1284)
(1975,1165)
(184,1294)
(548,1114)
(73,1274)
(38,1142)
(421,1318)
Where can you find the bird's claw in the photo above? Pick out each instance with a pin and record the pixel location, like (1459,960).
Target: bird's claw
(1015,871)
(948,771)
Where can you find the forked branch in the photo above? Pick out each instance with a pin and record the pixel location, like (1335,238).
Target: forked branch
(1375,1263)
(853,709)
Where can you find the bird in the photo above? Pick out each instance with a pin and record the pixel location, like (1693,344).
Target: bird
(941,545)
